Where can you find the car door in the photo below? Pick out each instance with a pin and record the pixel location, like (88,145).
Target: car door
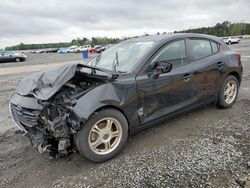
(4,57)
(170,92)
(207,68)
(1,57)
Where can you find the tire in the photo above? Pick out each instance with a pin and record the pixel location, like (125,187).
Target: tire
(17,59)
(224,100)
(88,136)
(229,42)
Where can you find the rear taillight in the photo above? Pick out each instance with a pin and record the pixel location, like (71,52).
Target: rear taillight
(238,56)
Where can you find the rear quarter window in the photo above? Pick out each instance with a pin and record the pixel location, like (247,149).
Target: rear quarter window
(201,48)
(215,47)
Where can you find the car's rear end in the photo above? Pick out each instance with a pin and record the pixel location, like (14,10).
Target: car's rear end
(233,60)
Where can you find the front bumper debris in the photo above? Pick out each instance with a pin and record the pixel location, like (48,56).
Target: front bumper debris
(46,127)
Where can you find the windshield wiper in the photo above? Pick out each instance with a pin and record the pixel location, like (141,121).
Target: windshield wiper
(116,61)
(94,70)
(121,71)
(97,59)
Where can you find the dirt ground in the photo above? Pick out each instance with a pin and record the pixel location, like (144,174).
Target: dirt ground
(209,147)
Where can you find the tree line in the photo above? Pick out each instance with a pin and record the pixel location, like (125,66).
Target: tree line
(23,46)
(225,28)
(78,42)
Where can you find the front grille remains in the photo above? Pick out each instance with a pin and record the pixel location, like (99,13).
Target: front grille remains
(24,116)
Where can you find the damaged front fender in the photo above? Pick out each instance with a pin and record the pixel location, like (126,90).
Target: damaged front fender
(102,96)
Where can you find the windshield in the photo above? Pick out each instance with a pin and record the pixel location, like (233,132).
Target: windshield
(121,57)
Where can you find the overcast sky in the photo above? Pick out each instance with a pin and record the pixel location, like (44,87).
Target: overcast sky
(33,21)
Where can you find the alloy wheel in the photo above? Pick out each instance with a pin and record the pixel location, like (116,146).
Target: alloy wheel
(230,91)
(105,136)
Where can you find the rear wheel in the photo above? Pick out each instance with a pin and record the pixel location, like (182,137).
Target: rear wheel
(17,59)
(103,136)
(228,92)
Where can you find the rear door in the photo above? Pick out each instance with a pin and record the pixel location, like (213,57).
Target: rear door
(208,64)
(4,57)
(1,57)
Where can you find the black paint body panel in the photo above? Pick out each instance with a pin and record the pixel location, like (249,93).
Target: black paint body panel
(156,99)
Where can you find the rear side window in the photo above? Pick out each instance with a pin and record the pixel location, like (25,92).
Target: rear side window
(215,47)
(200,48)
(174,53)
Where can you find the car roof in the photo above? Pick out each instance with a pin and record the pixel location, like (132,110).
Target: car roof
(6,51)
(164,37)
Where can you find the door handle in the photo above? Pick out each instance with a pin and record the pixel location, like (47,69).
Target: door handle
(187,77)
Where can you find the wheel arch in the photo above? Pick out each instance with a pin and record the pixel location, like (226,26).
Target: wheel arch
(236,74)
(115,108)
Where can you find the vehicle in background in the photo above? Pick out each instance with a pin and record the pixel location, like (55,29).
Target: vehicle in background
(40,51)
(63,50)
(72,49)
(11,56)
(231,40)
(103,48)
(83,48)
(95,49)
(35,51)
(32,51)
(51,50)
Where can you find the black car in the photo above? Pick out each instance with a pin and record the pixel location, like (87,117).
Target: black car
(51,50)
(11,56)
(132,85)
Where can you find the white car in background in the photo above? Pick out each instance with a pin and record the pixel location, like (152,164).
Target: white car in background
(72,49)
(83,48)
(231,40)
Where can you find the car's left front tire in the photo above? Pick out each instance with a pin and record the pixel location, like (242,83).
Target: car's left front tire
(103,136)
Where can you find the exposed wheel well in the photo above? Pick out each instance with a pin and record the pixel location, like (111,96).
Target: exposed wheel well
(116,108)
(236,75)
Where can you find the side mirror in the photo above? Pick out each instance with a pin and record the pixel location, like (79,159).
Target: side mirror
(161,68)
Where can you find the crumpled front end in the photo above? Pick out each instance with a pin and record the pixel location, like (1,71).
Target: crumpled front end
(43,103)
(46,124)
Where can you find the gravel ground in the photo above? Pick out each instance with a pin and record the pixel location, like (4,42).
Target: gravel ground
(209,147)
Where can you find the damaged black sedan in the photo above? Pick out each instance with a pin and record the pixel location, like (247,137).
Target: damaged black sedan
(135,84)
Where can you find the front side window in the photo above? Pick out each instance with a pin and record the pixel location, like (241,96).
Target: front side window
(174,53)
(201,48)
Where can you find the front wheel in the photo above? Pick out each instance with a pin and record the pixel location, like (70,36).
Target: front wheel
(103,136)
(228,92)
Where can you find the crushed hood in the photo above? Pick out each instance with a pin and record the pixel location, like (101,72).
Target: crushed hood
(46,83)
